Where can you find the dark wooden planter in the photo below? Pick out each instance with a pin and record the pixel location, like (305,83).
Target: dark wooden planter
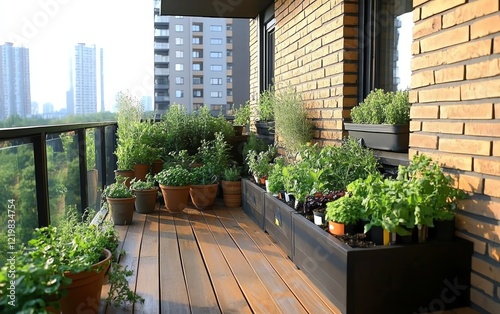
(279,222)
(253,201)
(433,276)
(381,136)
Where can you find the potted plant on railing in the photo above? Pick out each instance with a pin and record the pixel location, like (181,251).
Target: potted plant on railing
(203,190)
(241,118)
(231,186)
(382,121)
(62,269)
(145,194)
(174,181)
(121,201)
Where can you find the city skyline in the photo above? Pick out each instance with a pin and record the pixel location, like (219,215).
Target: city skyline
(50,29)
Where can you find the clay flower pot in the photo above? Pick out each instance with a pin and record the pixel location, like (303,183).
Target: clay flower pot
(232,193)
(203,196)
(145,200)
(122,210)
(175,197)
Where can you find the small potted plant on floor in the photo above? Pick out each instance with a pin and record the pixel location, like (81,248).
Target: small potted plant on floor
(231,186)
(241,118)
(121,201)
(174,181)
(145,194)
(203,189)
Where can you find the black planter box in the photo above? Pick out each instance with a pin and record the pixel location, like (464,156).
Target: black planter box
(398,279)
(253,201)
(279,222)
(394,138)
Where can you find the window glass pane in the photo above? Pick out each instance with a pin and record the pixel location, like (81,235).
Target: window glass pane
(179,67)
(179,41)
(179,80)
(216,41)
(216,28)
(216,68)
(179,28)
(179,54)
(216,54)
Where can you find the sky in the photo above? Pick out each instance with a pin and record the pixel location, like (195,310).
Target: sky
(51,28)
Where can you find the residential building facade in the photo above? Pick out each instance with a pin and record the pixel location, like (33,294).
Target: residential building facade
(15,93)
(195,62)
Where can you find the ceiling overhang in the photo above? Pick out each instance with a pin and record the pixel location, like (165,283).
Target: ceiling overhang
(215,8)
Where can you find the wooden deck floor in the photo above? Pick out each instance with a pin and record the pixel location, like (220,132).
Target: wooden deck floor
(215,261)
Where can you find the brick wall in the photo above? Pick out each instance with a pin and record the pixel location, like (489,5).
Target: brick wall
(254,70)
(455,91)
(316,52)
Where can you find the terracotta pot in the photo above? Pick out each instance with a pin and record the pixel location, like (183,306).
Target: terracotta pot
(175,197)
(140,171)
(129,174)
(84,292)
(122,210)
(203,196)
(232,193)
(262,180)
(336,228)
(157,166)
(145,200)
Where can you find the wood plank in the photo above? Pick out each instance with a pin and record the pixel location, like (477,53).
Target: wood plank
(148,285)
(254,290)
(227,291)
(306,292)
(282,295)
(173,291)
(201,295)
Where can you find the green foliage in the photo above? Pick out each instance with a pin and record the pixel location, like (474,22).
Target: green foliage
(259,163)
(215,154)
(266,104)
(253,143)
(129,115)
(148,184)
(204,175)
(346,210)
(174,175)
(242,115)
(118,189)
(276,179)
(292,126)
(232,173)
(90,148)
(381,107)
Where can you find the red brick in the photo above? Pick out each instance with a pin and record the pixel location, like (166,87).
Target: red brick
(492,187)
(478,90)
(427,27)
(470,183)
(424,141)
(483,129)
(487,166)
(485,26)
(483,69)
(470,111)
(462,146)
(423,78)
(450,74)
(452,161)
(443,127)
(479,246)
(434,7)
(482,284)
(469,12)
(424,112)
(439,94)
(445,39)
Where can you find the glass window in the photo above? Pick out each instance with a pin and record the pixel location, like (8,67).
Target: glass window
(197,92)
(179,80)
(229,27)
(216,28)
(267,49)
(197,27)
(179,41)
(179,93)
(229,40)
(216,41)
(179,54)
(229,79)
(216,68)
(179,28)
(179,67)
(197,67)
(229,53)
(198,53)
(229,66)
(197,40)
(197,106)
(216,94)
(230,92)
(197,79)
(216,54)
(215,81)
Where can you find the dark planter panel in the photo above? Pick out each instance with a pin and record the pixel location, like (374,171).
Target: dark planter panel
(253,201)
(279,222)
(387,279)
(379,136)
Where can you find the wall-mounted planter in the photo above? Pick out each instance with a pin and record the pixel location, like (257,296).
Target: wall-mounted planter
(385,279)
(253,201)
(381,136)
(279,222)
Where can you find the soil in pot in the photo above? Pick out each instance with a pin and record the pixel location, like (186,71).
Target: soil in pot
(357,240)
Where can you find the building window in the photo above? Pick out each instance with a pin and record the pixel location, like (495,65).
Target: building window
(229,53)
(216,107)
(385,47)
(197,79)
(197,66)
(229,66)
(179,93)
(216,28)
(197,53)
(215,81)
(230,92)
(179,54)
(179,17)
(197,27)
(197,92)
(229,27)
(216,54)
(216,68)
(229,40)
(216,41)
(197,106)
(229,79)
(197,40)
(179,41)
(179,67)
(267,49)
(179,80)
(215,94)
(179,28)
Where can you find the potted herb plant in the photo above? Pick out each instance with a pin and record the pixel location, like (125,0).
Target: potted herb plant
(382,121)
(265,110)
(343,215)
(241,118)
(174,181)
(121,201)
(259,164)
(231,186)
(145,194)
(203,189)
